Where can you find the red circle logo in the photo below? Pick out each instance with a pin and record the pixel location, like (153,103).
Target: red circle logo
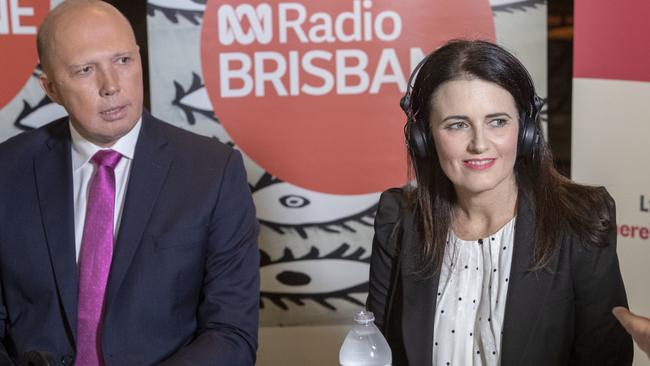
(310,90)
(19,21)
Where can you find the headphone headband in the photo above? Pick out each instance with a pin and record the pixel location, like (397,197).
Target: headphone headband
(418,140)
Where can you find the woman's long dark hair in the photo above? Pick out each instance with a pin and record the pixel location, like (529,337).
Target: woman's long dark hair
(559,204)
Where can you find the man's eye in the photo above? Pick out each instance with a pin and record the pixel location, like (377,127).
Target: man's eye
(84,70)
(124,60)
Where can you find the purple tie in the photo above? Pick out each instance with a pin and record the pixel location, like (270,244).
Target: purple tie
(95,257)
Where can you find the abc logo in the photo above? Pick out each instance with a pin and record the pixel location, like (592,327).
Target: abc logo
(310,90)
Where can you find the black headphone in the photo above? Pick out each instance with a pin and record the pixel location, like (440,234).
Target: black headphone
(419,143)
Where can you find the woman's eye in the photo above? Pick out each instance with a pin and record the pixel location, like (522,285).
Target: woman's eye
(500,122)
(456,125)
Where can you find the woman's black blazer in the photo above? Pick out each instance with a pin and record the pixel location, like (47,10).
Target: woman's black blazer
(560,315)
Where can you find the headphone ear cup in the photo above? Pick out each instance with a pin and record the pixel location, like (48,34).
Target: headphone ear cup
(405,103)
(528,137)
(529,134)
(418,139)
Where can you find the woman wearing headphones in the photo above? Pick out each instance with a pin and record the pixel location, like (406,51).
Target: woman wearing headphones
(494,258)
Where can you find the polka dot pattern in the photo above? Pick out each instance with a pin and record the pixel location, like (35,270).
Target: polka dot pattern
(469,332)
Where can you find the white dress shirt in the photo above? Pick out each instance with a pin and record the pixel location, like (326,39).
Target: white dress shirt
(471,299)
(83,170)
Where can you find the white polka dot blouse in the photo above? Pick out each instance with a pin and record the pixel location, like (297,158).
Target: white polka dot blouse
(471,299)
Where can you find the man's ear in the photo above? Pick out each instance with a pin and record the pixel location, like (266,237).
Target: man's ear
(49,87)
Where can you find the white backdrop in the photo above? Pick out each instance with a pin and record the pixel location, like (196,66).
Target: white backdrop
(611,127)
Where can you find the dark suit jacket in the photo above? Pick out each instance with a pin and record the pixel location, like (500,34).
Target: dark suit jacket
(560,316)
(184,281)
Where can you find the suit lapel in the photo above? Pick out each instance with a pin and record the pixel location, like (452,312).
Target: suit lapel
(419,303)
(53,172)
(149,168)
(526,292)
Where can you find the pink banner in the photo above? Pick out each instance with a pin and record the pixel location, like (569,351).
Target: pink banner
(611,40)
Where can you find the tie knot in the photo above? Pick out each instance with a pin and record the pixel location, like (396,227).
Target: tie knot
(107,158)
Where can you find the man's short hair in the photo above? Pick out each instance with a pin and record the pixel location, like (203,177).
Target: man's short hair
(47,28)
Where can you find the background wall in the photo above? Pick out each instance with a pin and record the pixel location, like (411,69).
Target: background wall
(317,154)
(316,227)
(611,127)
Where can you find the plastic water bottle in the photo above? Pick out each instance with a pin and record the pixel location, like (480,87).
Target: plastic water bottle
(365,345)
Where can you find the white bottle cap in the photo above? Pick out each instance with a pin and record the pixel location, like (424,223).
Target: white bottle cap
(364,317)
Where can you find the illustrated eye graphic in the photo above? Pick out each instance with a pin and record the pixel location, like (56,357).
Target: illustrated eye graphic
(509,6)
(191,10)
(294,201)
(283,206)
(333,276)
(41,114)
(194,100)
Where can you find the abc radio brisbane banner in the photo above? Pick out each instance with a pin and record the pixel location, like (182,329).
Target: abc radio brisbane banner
(611,126)
(309,92)
(23,105)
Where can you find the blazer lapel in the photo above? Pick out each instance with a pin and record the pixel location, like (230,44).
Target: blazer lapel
(419,303)
(53,172)
(526,292)
(149,168)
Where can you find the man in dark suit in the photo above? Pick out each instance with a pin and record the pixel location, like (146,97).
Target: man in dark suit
(123,240)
